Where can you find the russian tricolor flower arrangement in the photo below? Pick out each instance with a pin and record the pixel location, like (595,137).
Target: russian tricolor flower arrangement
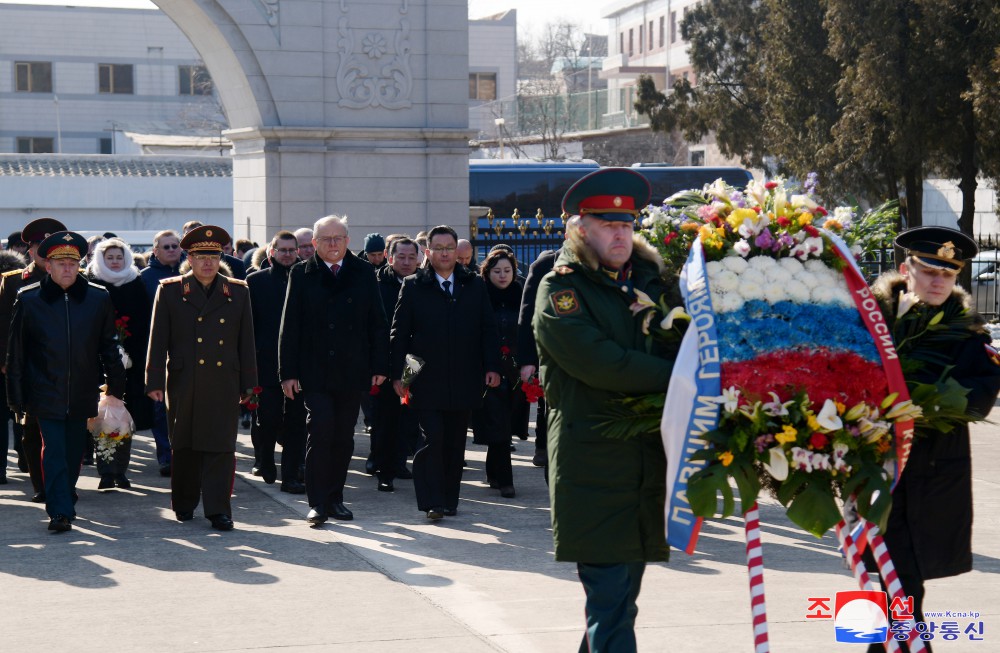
(787,377)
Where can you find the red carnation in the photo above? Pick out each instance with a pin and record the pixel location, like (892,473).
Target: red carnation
(375,390)
(757,209)
(257,389)
(504,350)
(783,221)
(821,210)
(818,441)
(669,237)
(251,406)
(811,230)
(771,185)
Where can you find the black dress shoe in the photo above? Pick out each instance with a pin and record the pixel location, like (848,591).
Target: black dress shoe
(435,514)
(165,470)
(385,486)
(122,481)
(60,524)
(269,476)
(449,512)
(507,492)
(222,522)
(185,515)
(293,487)
(255,471)
(370,467)
(107,482)
(404,473)
(38,497)
(3,479)
(340,511)
(522,436)
(316,516)
(492,483)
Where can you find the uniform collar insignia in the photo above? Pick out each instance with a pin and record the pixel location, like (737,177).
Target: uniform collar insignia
(225,289)
(187,287)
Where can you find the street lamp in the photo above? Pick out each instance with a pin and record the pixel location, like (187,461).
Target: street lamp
(500,122)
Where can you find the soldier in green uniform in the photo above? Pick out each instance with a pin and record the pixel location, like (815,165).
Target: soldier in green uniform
(607,494)
(201,355)
(31,438)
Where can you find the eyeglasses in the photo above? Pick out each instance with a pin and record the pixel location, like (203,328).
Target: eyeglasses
(286,250)
(205,257)
(442,250)
(326,240)
(174,246)
(307,246)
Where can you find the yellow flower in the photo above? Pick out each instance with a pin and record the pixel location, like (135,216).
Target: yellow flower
(706,232)
(840,407)
(813,422)
(738,216)
(788,434)
(726,458)
(805,218)
(689,226)
(833,225)
(882,446)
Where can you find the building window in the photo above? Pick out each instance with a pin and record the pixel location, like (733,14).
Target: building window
(698,158)
(663,23)
(483,86)
(33,145)
(631,42)
(673,27)
(105,146)
(641,33)
(194,80)
(115,78)
(33,76)
(650,34)
(621,43)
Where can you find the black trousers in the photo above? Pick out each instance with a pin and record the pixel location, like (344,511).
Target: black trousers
(330,421)
(437,466)
(279,419)
(202,475)
(542,425)
(31,443)
(498,464)
(389,434)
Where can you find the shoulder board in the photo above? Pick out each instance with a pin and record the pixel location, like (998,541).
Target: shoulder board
(563,269)
(238,282)
(14,273)
(164,282)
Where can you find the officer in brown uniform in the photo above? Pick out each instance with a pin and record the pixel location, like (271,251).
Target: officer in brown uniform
(201,352)
(31,438)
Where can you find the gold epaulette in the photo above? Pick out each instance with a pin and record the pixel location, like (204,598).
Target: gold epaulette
(14,272)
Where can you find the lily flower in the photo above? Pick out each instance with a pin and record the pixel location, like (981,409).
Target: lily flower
(777,465)
(675,314)
(904,410)
(803,201)
(857,412)
(641,303)
(828,418)
(776,408)
(730,399)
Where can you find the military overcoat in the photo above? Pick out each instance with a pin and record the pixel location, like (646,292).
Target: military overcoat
(201,352)
(607,494)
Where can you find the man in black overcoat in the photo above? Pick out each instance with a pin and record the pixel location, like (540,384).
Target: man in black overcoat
(278,418)
(389,436)
(445,319)
(333,347)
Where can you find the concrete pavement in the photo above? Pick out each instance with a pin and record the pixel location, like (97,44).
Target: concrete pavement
(131,578)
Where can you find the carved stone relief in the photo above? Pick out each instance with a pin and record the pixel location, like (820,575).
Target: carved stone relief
(374,69)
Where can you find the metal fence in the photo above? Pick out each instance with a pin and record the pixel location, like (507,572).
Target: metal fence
(528,237)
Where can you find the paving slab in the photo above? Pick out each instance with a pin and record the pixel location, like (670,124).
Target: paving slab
(131,578)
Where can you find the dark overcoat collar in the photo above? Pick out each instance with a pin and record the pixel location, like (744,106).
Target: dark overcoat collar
(50,290)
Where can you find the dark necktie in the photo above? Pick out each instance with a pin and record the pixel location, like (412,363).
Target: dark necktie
(447,286)
(335,269)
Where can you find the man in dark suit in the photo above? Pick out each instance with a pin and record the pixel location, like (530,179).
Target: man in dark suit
(278,418)
(201,354)
(333,347)
(31,438)
(392,419)
(444,318)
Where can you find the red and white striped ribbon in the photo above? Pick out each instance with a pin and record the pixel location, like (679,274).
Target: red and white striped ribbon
(858,568)
(755,567)
(893,585)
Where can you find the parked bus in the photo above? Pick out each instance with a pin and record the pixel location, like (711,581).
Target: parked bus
(529,186)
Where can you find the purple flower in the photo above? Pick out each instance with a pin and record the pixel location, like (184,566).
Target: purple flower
(812,180)
(763,442)
(737,199)
(764,240)
(783,241)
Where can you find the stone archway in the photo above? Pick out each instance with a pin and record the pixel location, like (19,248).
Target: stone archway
(355,107)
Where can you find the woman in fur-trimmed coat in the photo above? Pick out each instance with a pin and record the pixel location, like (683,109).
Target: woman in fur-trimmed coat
(929,534)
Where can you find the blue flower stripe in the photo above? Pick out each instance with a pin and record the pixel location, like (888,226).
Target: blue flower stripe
(761,328)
